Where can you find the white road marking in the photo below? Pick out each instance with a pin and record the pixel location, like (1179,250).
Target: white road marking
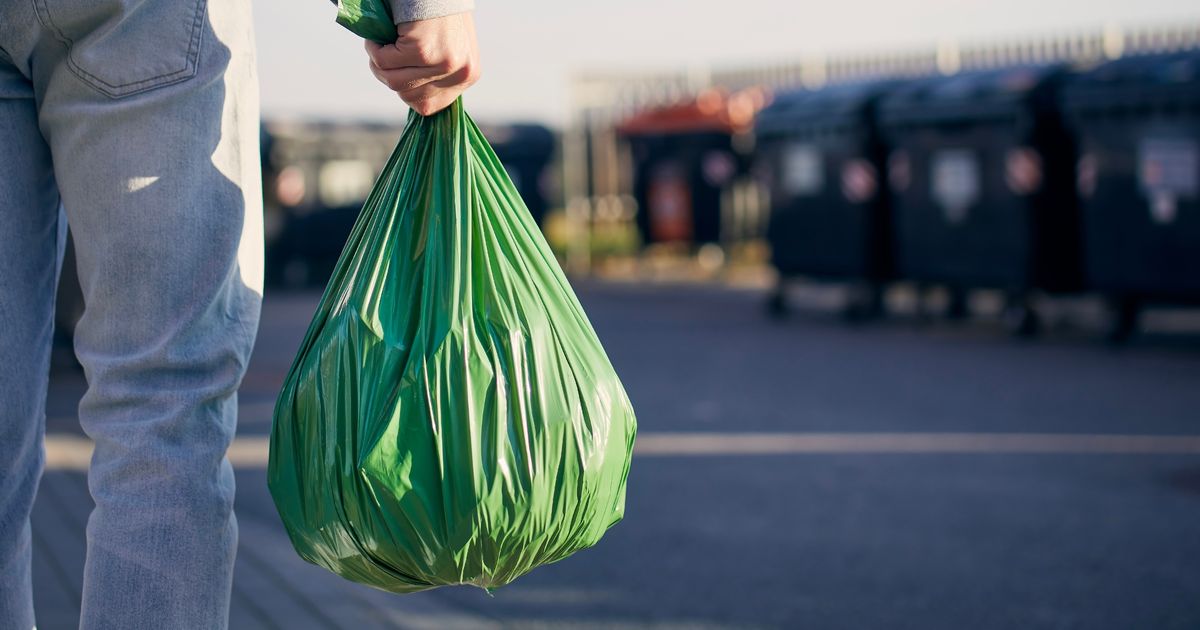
(677,444)
(70,452)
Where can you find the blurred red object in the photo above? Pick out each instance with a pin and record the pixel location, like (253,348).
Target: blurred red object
(713,109)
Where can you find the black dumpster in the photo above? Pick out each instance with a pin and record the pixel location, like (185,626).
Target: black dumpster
(823,158)
(526,151)
(316,176)
(684,158)
(676,202)
(1138,124)
(981,176)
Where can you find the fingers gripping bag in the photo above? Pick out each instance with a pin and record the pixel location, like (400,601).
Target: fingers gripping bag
(451,417)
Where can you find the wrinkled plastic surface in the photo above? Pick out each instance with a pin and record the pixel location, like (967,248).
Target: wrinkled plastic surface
(451,416)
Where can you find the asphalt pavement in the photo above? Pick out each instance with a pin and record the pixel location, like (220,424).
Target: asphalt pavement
(888,528)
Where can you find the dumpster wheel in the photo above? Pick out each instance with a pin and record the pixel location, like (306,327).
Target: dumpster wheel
(865,303)
(777,306)
(1124,313)
(958,305)
(1021,319)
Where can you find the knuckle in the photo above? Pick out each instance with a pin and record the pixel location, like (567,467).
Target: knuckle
(425,55)
(425,106)
(408,101)
(391,82)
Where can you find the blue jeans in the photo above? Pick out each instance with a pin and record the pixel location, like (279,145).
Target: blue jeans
(139,117)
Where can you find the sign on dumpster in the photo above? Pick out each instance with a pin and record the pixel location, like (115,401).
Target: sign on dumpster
(1168,170)
(956,182)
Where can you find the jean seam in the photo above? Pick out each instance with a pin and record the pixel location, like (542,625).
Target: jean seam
(191,65)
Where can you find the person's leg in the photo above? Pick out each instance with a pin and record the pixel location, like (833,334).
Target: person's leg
(153,129)
(29,236)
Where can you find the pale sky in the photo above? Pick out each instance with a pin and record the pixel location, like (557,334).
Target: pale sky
(310,66)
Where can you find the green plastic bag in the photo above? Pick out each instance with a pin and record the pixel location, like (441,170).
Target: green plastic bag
(451,417)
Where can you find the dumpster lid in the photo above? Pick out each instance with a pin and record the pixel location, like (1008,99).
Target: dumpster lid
(1135,80)
(712,110)
(968,95)
(827,104)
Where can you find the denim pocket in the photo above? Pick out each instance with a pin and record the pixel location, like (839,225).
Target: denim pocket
(125,47)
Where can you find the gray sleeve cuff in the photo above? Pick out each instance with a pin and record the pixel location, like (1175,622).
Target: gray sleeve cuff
(413,10)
